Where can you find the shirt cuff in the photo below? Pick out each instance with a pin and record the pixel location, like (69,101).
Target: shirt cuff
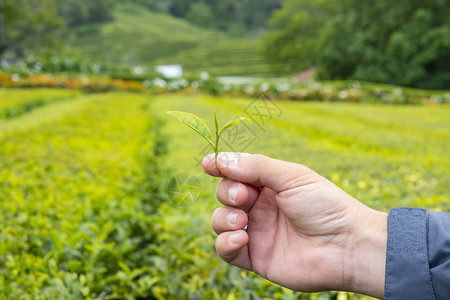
(407,268)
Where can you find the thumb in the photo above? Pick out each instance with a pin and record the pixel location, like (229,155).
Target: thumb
(259,170)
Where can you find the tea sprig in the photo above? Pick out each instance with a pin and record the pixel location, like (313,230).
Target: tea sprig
(201,128)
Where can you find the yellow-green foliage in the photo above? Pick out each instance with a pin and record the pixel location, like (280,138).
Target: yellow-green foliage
(16,102)
(72,202)
(85,213)
(385,155)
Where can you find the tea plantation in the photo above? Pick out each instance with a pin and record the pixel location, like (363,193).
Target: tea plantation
(149,39)
(85,211)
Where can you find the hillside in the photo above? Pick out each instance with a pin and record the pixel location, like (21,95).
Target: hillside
(140,37)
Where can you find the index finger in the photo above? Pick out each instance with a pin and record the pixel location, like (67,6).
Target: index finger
(259,170)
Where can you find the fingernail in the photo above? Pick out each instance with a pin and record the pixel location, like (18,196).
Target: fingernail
(228,159)
(234,239)
(232,217)
(232,192)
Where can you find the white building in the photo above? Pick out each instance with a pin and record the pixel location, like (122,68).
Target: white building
(170,71)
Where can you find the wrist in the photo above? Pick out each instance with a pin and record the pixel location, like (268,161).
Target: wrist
(368,254)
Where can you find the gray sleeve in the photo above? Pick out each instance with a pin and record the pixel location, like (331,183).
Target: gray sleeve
(418,255)
(439,252)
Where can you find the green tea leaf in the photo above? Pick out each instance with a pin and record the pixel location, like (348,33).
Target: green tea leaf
(233,123)
(216,123)
(194,122)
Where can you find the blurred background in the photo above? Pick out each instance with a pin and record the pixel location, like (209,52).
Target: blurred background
(404,43)
(91,199)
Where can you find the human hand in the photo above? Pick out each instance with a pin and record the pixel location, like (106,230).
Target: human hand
(303,232)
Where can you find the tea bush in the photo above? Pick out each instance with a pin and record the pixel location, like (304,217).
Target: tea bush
(23,101)
(84,202)
(74,220)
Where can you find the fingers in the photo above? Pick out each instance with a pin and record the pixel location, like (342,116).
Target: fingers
(232,248)
(231,244)
(259,170)
(236,194)
(228,219)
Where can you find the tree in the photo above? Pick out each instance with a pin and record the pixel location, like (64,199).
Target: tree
(237,17)
(293,39)
(405,42)
(79,12)
(26,25)
(200,14)
(179,8)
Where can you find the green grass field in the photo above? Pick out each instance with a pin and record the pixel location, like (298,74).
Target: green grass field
(83,186)
(141,37)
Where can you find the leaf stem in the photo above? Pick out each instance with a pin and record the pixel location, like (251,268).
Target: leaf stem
(216,148)
(216,123)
